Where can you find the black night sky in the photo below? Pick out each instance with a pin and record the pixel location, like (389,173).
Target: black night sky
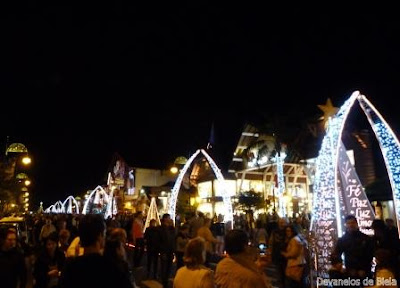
(147,80)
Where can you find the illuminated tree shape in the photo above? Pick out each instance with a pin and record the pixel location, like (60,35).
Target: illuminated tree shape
(152,214)
(225,196)
(67,204)
(327,216)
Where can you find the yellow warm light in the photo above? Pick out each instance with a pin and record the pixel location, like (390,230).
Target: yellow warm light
(27,182)
(195,200)
(287,198)
(26,160)
(174,170)
(26,194)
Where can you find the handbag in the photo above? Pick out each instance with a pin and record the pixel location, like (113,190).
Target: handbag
(294,272)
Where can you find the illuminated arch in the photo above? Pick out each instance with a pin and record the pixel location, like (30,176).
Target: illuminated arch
(326,222)
(49,209)
(96,192)
(58,207)
(67,207)
(225,196)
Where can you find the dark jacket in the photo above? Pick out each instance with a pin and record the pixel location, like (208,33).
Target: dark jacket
(12,269)
(358,249)
(42,267)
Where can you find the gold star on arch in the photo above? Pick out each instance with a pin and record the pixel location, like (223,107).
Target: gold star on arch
(329,110)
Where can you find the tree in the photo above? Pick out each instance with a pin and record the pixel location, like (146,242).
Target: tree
(249,201)
(8,186)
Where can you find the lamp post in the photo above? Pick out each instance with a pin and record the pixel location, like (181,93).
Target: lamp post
(17,164)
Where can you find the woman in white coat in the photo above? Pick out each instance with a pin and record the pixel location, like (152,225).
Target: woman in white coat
(296,260)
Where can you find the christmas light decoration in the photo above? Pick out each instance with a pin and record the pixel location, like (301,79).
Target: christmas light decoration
(326,221)
(279,159)
(177,186)
(337,190)
(96,192)
(225,196)
(390,148)
(152,214)
(68,204)
(175,190)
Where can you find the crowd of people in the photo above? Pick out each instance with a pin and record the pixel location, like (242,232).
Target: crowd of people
(87,251)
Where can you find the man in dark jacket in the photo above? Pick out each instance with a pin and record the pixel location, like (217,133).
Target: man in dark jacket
(12,262)
(167,247)
(358,250)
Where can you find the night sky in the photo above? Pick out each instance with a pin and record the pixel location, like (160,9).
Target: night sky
(147,80)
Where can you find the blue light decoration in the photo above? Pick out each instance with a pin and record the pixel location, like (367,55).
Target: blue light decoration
(337,190)
(279,159)
(390,148)
(325,224)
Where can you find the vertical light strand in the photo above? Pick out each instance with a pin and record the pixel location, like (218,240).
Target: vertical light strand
(325,222)
(225,196)
(390,148)
(177,186)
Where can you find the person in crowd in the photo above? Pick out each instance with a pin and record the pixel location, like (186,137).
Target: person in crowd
(167,247)
(138,238)
(37,228)
(383,239)
(49,263)
(181,241)
(295,257)
(75,249)
(119,234)
(392,227)
(194,274)
(219,231)
(195,222)
(260,234)
(63,242)
(114,251)
(13,272)
(357,248)
(277,244)
(337,272)
(92,269)
(47,229)
(205,232)
(152,242)
(384,271)
(242,268)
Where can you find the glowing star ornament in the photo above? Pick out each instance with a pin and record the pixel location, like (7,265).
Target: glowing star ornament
(329,111)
